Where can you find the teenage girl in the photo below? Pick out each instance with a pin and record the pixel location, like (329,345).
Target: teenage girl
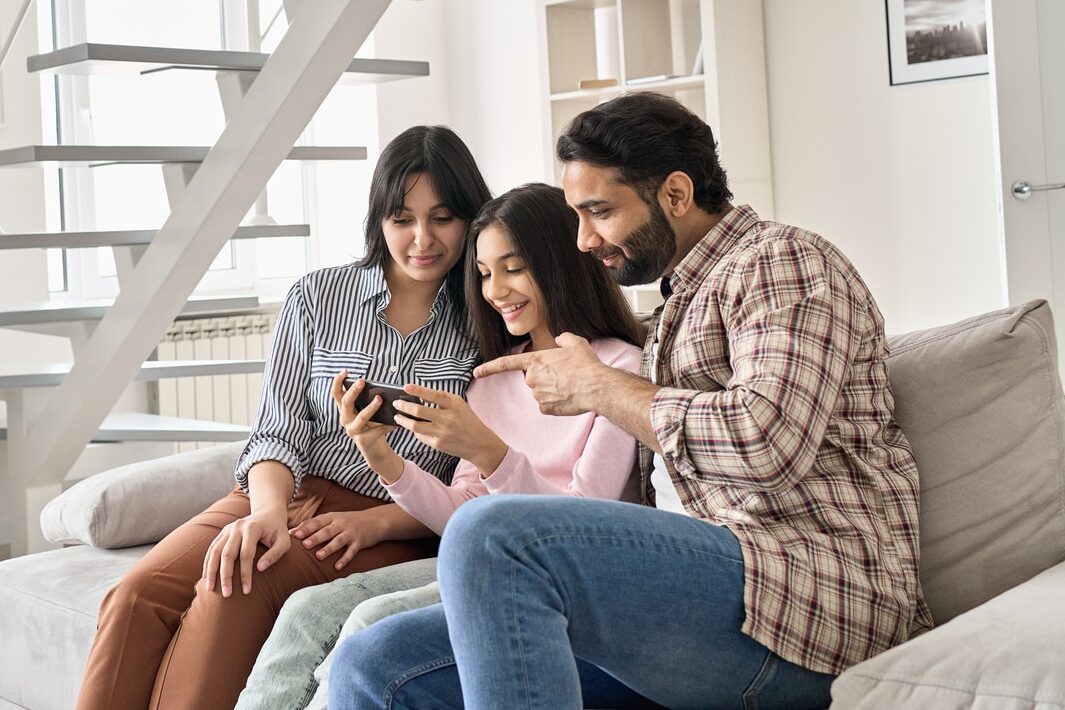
(526,283)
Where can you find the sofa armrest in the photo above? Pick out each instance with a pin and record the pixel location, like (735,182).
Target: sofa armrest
(140,503)
(1005,653)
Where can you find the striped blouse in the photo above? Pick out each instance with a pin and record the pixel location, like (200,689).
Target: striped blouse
(333,319)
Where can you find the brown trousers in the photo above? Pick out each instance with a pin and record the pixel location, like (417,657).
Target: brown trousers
(163,641)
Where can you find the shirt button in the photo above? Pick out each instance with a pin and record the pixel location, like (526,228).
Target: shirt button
(393,369)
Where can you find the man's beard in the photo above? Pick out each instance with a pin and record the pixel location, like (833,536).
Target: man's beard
(648,250)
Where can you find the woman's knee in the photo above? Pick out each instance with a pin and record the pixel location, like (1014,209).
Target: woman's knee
(386,605)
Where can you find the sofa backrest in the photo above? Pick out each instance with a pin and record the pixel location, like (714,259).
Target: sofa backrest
(981,403)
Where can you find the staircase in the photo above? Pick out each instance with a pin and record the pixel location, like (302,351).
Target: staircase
(57,413)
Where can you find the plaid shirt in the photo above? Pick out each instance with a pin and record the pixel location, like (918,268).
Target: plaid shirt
(775,420)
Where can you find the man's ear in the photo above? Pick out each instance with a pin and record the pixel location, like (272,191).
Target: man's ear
(678,194)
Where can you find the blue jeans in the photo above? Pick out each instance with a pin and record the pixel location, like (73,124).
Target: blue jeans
(553,603)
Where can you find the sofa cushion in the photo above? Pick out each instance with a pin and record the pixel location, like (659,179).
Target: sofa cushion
(1006,654)
(48,607)
(142,502)
(981,403)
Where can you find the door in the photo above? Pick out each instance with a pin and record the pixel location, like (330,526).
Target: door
(1028,80)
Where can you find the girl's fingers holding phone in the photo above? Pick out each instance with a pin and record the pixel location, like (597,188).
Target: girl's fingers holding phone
(347,402)
(415,410)
(337,389)
(362,418)
(437,397)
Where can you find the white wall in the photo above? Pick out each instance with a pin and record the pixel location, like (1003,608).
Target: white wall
(900,177)
(484,80)
(496,103)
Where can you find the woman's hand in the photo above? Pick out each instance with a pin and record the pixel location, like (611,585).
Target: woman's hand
(368,436)
(238,541)
(452,427)
(350,531)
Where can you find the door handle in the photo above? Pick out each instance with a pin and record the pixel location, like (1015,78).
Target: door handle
(1022,190)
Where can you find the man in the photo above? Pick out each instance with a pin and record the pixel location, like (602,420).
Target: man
(765,419)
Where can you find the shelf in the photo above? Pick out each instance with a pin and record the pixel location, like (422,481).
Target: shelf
(20,376)
(582,4)
(135,426)
(64,312)
(118,59)
(86,240)
(98,155)
(677,83)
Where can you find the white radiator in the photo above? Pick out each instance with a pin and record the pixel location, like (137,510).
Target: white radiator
(225,398)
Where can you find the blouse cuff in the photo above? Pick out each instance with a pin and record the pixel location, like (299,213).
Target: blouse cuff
(269,451)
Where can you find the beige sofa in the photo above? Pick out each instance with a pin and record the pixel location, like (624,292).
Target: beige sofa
(980,400)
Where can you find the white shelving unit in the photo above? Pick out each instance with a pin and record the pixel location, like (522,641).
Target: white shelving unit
(708,54)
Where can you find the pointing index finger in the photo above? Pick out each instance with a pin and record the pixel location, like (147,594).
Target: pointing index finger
(507,363)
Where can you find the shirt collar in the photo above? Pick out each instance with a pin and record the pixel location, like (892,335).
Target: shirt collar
(374,285)
(719,241)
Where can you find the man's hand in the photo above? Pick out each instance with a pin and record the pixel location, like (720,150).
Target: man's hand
(563,380)
(570,379)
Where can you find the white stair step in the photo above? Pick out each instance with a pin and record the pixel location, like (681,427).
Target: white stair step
(99,155)
(92,58)
(136,426)
(63,312)
(127,237)
(51,374)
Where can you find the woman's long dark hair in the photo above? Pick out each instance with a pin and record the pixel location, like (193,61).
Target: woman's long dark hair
(580,296)
(439,153)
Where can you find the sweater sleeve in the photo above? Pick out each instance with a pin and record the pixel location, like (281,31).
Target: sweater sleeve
(429,499)
(602,469)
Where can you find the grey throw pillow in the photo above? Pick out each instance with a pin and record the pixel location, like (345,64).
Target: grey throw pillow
(981,403)
(142,502)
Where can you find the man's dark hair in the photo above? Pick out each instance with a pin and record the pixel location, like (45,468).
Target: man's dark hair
(647,136)
(579,295)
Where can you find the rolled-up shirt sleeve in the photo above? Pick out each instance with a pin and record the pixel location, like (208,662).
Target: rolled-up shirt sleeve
(791,324)
(284,425)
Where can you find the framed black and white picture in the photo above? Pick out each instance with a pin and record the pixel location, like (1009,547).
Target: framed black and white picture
(936,39)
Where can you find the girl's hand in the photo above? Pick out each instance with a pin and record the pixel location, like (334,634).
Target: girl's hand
(349,531)
(238,542)
(452,427)
(368,436)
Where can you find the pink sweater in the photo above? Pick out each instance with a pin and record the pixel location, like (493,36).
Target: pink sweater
(584,455)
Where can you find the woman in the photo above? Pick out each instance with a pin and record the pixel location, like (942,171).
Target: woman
(526,283)
(183,627)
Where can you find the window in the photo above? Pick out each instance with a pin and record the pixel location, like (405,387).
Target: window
(182,107)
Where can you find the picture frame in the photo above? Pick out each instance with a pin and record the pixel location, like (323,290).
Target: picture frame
(931,40)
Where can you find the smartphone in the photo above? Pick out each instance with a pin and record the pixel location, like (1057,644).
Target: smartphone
(386,413)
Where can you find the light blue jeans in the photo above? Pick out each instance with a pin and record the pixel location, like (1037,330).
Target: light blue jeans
(555,603)
(292,668)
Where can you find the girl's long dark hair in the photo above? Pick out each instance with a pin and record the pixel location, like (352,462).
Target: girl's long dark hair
(580,296)
(439,153)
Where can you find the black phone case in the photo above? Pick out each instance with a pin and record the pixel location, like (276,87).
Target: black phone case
(386,414)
